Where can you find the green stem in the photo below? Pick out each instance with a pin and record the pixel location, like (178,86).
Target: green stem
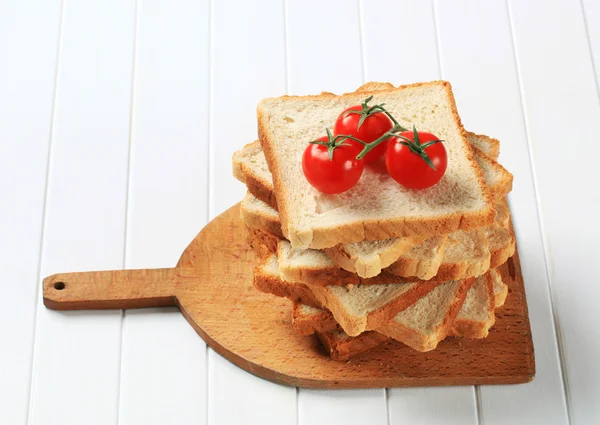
(370,146)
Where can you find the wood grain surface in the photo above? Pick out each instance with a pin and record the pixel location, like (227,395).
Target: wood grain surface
(212,286)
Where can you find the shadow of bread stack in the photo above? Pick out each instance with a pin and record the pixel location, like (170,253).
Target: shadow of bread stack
(358,274)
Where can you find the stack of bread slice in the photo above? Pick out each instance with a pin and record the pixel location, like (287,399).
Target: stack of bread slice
(379,261)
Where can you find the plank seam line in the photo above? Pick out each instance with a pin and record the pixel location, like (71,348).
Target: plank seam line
(359,5)
(209,167)
(589,42)
(136,27)
(388,414)
(477,394)
(209,129)
(555,322)
(44,215)
(438,44)
(437,38)
(286,46)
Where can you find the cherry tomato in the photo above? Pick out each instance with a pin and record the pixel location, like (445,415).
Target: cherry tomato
(335,175)
(374,126)
(409,168)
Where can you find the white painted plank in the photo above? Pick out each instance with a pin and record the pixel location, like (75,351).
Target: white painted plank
(328,57)
(322,407)
(247,64)
(454,405)
(324,53)
(28,44)
(164,360)
(76,357)
(564,92)
(414,61)
(164,369)
(168,185)
(399,41)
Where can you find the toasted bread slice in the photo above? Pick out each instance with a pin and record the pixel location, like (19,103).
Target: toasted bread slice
(365,258)
(259,215)
(468,255)
(487,145)
(268,280)
(376,208)
(314,267)
(369,258)
(474,319)
(357,308)
(307,320)
(476,316)
(341,347)
(424,324)
(421,326)
(497,178)
(500,288)
(502,244)
(421,261)
(250,167)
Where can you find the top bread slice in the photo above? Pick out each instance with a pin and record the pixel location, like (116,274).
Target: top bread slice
(377,207)
(250,167)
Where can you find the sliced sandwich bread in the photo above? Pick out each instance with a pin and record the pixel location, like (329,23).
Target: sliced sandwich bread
(376,208)
(365,258)
(474,320)
(500,288)
(457,256)
(250,167)
(476,316)
(488,145)
(357,308)
(342,347)
(422,326)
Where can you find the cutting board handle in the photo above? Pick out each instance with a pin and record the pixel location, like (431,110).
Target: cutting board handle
(115,289)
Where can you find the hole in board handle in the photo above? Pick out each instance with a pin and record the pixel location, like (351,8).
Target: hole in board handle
(59,286)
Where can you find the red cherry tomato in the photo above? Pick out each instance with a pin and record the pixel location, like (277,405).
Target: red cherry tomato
(410,169)
(373,127)
(335,175)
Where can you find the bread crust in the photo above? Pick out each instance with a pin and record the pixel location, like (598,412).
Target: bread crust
(346,348)
(323,237)
(494,151)
(355,264)
(417,340)
(323,298)
(474,329)
(296,292)
(322,321)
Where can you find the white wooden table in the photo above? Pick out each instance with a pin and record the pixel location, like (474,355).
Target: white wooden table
(118,120)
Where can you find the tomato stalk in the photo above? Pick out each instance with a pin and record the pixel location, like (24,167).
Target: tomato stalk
(368,147)
(366,111)
(334,142)
(415,145)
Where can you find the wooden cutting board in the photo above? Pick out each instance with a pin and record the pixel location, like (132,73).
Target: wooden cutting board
(212,286)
